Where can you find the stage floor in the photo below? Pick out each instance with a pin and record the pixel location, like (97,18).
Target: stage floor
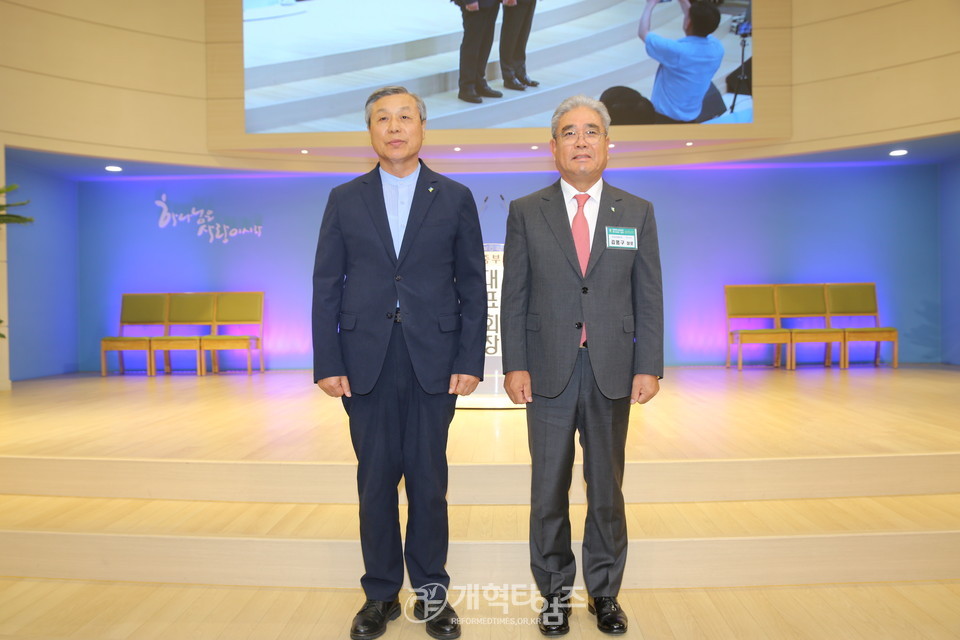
(708,413)
(123,498)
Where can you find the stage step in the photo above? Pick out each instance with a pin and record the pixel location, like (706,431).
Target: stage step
(295,545)
(86,610)
(701,480)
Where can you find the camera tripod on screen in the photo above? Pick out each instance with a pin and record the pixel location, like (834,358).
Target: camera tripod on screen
(744,29)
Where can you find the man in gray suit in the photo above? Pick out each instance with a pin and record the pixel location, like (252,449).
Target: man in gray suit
(582,328)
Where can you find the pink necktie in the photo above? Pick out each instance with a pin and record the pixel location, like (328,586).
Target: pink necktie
(581,240)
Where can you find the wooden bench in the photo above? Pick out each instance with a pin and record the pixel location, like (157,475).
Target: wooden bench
(188,322)
(832,303)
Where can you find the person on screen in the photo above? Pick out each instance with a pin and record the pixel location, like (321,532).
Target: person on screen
(479,24)
(582,329)
(399,327)
(687,65)
(514,33)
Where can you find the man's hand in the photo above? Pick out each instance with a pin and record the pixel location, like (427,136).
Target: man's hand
(517,386)
(335,386)
(473,6)
(645,387)
(462,384)
(509,3)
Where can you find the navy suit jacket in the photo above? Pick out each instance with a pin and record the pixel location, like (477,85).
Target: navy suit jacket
(438,278)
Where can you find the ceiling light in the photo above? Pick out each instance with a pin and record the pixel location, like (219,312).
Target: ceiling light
(611,145)
(689,144)
(456,148)
(896,153)
(113,168)
(304,151)
(534,147)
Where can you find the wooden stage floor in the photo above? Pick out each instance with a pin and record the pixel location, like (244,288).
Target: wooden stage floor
(708,413)
(224,507)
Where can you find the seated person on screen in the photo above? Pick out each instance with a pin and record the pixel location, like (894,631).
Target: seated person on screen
(687,65)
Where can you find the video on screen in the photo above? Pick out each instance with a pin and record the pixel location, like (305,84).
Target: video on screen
(309,65)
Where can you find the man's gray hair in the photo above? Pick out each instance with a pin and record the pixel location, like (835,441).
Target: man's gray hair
(392,91)
(572,103)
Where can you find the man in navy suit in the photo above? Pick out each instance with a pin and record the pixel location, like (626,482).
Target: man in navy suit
(399,324)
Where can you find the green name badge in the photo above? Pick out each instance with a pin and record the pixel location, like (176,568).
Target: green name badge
(622,238)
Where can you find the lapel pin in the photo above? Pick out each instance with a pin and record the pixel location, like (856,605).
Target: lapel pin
(614,209)
(430,189)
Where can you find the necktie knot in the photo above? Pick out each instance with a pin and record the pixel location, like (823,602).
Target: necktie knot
(581,199)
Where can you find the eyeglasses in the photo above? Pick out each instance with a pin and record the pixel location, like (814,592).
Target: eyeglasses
(590,136)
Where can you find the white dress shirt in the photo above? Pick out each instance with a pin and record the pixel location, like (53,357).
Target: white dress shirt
(591,210)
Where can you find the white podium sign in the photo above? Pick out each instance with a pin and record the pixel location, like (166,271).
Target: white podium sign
(490,393)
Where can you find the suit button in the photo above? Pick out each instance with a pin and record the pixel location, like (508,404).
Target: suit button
(389,316)
(585,290)
(579,325)
(398,278)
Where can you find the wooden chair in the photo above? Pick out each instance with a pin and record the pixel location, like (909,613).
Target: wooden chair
(748,302)
(860,299)
(236,308)
(809,301)
(186,309)
(136,309)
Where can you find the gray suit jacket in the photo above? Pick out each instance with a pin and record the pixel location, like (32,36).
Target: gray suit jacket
(545,297)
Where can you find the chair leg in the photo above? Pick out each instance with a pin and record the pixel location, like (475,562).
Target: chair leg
(776,356)
(103,362)
(739,356)
(727,365)
(896,361)
(876,354)
(260,351)
(249,362)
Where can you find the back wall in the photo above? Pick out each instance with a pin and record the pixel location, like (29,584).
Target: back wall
(718,225)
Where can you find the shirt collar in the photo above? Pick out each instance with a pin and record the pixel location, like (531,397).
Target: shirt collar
(569,191)
(389,178)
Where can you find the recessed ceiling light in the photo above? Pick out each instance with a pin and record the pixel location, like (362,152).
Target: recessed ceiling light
(304,151)
(689,144)
(898,152)
(456,148)
(611,145)
(113,168)
(534,147)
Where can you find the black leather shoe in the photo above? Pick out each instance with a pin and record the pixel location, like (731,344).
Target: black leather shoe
(442,621)
(525,79)
(371,621)
(487,91)
(469,94)
(610,617)
(554,618)
(513,83)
